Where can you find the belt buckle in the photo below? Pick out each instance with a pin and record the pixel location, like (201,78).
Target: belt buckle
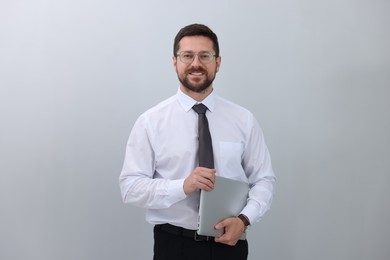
(199,238)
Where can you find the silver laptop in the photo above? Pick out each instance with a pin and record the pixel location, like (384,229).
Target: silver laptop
(227,199)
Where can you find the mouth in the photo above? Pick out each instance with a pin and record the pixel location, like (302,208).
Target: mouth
(196,73)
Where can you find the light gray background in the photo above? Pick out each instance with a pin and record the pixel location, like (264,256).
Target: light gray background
(75,75)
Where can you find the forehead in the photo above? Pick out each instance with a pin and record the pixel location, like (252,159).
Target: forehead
(195,43)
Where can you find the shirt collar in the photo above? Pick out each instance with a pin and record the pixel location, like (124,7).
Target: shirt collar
(188,102)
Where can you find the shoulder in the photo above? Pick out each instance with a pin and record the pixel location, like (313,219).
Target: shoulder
(226,106)
(159,109)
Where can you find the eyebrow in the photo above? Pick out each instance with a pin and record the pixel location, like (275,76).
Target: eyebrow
(198,51)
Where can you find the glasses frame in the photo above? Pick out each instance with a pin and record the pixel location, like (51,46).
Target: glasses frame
(196,54)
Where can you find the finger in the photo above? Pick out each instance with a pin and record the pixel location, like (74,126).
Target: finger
(208,174)
(220,225)
(203,170)
(206,184)
(205,179)
(226,239)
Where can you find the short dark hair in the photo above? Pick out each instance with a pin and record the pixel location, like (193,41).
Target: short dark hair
(196,30)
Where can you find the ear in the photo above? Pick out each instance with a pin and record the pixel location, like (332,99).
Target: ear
(174,61)
(218,63)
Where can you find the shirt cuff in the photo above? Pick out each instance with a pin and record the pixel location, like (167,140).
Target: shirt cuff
(251,211)
(176,191)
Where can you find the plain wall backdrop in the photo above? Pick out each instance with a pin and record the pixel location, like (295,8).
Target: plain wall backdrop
(75,75)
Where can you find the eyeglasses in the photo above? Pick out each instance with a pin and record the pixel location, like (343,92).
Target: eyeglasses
(188,57)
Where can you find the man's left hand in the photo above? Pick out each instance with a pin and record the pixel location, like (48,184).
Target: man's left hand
(234,228)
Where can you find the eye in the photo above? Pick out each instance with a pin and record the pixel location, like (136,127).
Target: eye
(204,55)
(187,55)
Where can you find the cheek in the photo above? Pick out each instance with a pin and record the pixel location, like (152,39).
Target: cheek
(213,70)
(180,68)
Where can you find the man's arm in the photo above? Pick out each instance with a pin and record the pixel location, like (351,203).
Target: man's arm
(136,181)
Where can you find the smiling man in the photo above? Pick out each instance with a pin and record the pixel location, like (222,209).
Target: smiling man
(197,64)
(164,170)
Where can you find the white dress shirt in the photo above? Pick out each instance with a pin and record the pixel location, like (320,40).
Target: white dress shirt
(162,151)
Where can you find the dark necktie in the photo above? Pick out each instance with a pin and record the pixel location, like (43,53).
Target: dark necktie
(205,152)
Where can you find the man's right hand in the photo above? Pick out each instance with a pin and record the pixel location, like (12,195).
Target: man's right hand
(201,178)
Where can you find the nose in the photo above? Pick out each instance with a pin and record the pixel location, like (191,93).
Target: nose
(196,61)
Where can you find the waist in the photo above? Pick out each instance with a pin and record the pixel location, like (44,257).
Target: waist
(181,214)
(182,232)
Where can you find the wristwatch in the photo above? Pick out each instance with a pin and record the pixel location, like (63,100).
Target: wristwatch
(244,219)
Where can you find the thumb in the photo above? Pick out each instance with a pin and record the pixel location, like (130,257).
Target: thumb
(221,224)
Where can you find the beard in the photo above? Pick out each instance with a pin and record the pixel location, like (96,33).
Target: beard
(199,86)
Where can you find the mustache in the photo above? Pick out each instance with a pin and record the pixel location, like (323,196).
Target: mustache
(191,70)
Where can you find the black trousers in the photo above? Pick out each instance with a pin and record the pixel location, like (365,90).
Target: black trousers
(175,247)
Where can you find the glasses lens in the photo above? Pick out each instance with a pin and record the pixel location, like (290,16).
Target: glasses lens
(205,56)
(188,56)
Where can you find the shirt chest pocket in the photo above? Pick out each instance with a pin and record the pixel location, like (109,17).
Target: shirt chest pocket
(230,160)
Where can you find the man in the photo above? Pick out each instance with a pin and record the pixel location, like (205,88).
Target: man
(161,170)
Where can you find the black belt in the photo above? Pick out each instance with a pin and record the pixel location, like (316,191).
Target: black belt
(179,231)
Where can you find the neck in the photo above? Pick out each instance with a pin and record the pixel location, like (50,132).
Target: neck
(198,96)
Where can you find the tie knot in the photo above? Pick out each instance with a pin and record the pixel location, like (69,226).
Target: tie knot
(200,108)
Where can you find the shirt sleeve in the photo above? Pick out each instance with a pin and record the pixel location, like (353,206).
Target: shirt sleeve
(137,185)
(258,168)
